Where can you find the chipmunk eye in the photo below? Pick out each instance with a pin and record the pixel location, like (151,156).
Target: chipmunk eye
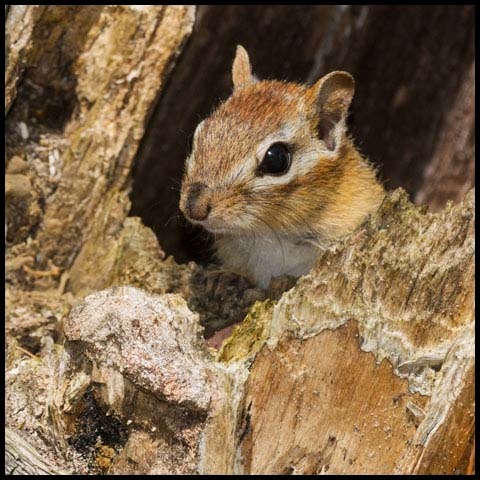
(276,161)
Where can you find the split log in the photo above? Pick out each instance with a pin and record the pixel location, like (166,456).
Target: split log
(369,360)
(362,367)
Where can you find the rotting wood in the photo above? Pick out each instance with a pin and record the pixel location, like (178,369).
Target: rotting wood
(331,378)
(299,369)
(23,459)
(365,365)
(19,24)
(407,281)
(80,129)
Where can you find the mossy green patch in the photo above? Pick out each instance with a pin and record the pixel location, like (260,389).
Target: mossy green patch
(248,337)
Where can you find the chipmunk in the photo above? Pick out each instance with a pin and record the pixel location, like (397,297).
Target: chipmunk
(274,176)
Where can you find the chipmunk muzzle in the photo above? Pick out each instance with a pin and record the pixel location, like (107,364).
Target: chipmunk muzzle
(197,205)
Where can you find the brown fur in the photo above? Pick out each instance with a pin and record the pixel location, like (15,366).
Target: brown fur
(328,192)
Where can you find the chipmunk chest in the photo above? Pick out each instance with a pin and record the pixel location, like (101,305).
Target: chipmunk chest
(264,258)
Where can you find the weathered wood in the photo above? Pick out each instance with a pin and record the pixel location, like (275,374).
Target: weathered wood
(445,434)
(401,288)
(321,405)
(93,75)
(19,24)
(365,365)
(80,84)
(451,171)
(148,364)
(360,368)
(21,458)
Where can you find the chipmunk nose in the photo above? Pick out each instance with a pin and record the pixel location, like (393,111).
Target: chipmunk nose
(198,206)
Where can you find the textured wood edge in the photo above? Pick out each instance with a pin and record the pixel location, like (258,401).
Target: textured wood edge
(19,24)
(21,458)
(406,277)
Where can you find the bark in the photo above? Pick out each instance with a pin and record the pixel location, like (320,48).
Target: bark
(122,361)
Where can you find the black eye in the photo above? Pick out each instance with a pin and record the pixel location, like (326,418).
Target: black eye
(276,161)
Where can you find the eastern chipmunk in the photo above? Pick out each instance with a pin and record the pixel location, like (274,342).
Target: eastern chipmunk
(274,176)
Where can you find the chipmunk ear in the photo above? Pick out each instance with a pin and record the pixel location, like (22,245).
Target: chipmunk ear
(241,69)
(332,95)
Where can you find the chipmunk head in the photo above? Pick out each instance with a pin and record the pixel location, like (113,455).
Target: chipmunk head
(269,157)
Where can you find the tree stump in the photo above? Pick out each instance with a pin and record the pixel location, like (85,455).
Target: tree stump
(122,361)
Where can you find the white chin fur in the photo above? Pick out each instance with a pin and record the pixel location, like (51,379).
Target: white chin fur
(264,258)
